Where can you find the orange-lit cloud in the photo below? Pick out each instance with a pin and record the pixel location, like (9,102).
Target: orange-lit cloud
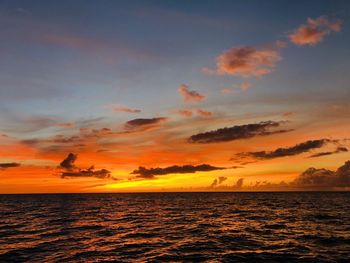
(190,95)
(314,31)
(246,61)
(204,113)
(118,108)
(185,113)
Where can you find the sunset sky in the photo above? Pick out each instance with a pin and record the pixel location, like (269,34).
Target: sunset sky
(125,96)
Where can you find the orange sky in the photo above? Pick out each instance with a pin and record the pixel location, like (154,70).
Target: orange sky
(250,112)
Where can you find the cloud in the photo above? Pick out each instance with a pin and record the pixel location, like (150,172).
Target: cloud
(287,151)
(68,162)
(90,172)
(65,125)
(8,165)
(246,61)
(314,178)
(218,181)
(137,123)
(237,132)
(214,183)
(190,95)
(70,170)
(338,150)
(314,31)
(245,86)
(190,112)
(149,173)
(204,113)
(239,183)
(185,113)
(118,108)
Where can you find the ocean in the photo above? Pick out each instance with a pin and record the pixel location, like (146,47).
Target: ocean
(176,227)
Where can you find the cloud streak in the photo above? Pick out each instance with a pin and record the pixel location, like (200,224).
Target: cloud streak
(286,151)
(149,173)
(144,124)
(4,166)
(118,108)
(237,132)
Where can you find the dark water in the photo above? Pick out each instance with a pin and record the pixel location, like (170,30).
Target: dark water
(213,227)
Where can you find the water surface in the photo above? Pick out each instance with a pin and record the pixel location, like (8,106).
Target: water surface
(215,227)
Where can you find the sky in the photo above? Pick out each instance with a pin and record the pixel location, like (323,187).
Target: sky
(135,96)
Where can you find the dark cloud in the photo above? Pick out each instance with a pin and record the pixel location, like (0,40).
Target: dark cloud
(70,170)
(287,151)
(338,150)
(237,132)
(68,162)
(239,183)
(136,123)
(90,172)
(324,178)
(151,172)
(8,165)
(218,181)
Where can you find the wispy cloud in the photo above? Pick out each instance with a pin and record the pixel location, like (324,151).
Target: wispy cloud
(237,132)
(286,151)
(120,108)
(144,123)
(190,95)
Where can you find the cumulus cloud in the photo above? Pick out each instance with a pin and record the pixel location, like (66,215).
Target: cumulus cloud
(144,124)
(149,173)
(118,108)
(246,61)
(338,150)
(237,132)
(314,31)
(4,166)
(190,95)
(324,178)
(70,170)
(287,151)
